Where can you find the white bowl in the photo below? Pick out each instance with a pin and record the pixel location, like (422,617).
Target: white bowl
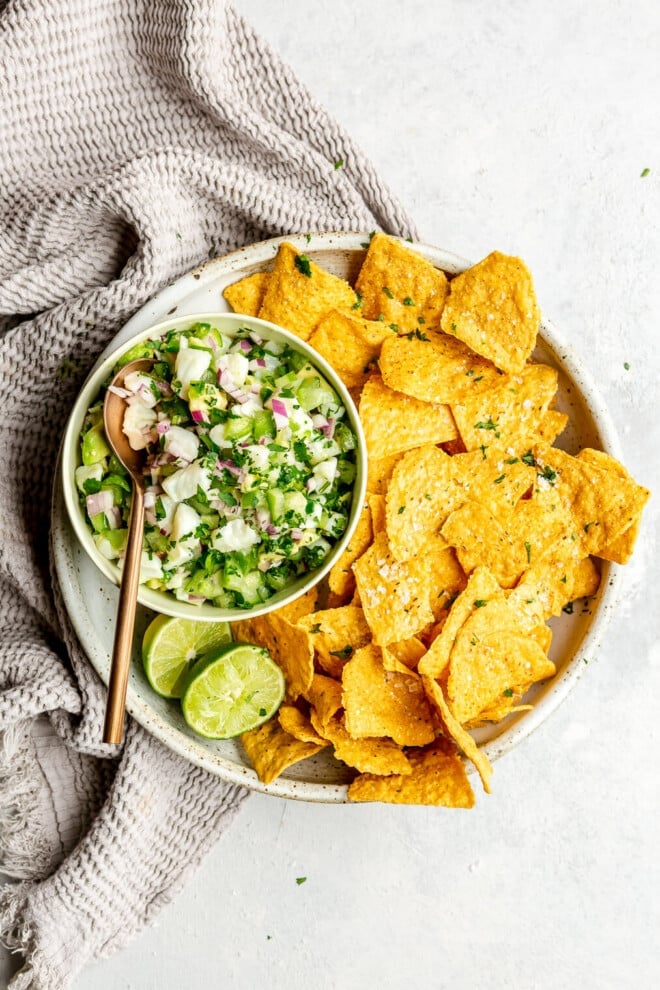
(91,603)
(164,601)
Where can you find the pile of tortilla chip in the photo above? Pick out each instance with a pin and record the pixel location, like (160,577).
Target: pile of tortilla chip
(476,529)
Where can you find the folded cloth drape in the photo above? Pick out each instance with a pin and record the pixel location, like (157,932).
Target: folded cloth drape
(136,139)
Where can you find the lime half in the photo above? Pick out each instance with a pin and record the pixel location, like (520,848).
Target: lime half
(171,646)
(232,689)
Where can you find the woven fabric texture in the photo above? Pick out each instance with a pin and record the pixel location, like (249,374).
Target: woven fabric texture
(136,138)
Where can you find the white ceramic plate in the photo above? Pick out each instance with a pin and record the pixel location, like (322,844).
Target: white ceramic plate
(91,599)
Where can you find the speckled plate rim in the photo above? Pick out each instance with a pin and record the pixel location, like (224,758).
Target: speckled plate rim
(170,301)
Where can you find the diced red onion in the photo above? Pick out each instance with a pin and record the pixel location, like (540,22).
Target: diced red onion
(263,518)
(226,382)
(123,393)
(113,517)
(164,387)
(257,363)
(311,484)
(280,413)
(197,415)
(102,501)
(296,535)
(256,338)
(272,530)
(245,345)
(329,429)
(231,467)
(163,426)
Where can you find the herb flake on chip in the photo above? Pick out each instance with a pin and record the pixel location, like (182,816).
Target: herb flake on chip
(303,265)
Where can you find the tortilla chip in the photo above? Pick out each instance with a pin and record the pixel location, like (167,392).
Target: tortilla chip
(481,541)
(552,424)
(511,413)
(602,503)
(440,369)
(455,730)
(492,307)
(378,702)
(377,506)
(481,587)
(586,579)
(324,695)
(431,485)
(246,295)
(377,756)
(407,651)
(300,606)
(350,344)
(379,472)
(485,661)
(621,547)
(299,293)
(340,579)
(400,286)
(298,725)
(395,596)
(271,750)
(437,778)
(336,633)
(289,645)
(394,422)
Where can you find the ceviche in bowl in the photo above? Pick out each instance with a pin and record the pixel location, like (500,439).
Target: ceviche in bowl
(254,466)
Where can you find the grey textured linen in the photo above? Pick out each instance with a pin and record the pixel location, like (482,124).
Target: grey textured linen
(136,138)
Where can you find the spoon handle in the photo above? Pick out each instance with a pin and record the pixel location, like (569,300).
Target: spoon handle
(123,642)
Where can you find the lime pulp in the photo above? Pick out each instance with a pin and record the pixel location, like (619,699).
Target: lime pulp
(231,690)
(171,646)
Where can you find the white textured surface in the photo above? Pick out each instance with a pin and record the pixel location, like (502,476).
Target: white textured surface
(522,126)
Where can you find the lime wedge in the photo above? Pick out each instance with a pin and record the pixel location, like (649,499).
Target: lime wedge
(171,646)
(232,689)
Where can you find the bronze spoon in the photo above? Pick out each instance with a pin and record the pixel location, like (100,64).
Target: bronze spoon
(114,408)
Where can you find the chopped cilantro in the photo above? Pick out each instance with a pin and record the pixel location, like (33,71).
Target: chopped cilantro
(470,372)
(316,628)
(358,301)
(528,459)
(480,602)
(549,474)
(508,693)
(343,654)
(512,460)
(421,321)
(528,548)
(644,173)
(262,712)
(388,292)
(303,265)
(568,609)
(91,486)
(408,301)
(308,237)
(483,448)
(453,328)
(488,424)
(626,366)
(402,508)
(300,880)
(589,525)
(498,481)
(338,164)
